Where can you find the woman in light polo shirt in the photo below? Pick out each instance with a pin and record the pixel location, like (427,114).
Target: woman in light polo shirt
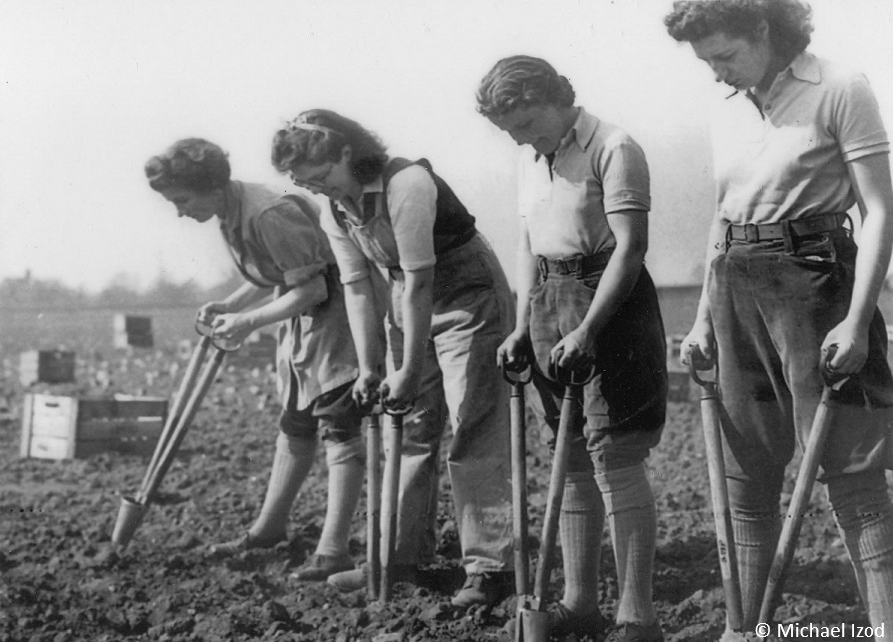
(798,142)
(585,297)
(278,245)
(450,310)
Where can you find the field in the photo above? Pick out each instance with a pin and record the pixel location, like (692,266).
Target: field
(61,579)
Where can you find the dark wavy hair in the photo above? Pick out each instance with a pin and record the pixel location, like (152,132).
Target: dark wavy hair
(522,81)
(790,22)
(293,146)
(192,163)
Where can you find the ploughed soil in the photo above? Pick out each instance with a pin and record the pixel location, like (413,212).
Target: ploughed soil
(62,579)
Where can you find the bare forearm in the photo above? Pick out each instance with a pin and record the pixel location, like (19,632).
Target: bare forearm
(417,305)
(247,294)
(364,326)
(292,303)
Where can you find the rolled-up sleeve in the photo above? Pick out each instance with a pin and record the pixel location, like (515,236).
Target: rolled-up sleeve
(292,242)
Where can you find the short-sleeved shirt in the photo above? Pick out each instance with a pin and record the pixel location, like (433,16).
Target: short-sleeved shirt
(598,169)
(789,160)
(398,234)
(277,240)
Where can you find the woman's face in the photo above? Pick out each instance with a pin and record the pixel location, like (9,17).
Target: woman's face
(199,206)
(334,180)
(540,126)
(738,62)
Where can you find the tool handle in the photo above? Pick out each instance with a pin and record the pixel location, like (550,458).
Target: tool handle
(192,406)
(574,376)
(519,489)
(373,503)
(390,501)
(570,408)
(722,514)
(787,542)
(517,377)
(173,416)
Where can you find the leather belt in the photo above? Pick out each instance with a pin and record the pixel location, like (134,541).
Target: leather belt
(753,233)
(579,265)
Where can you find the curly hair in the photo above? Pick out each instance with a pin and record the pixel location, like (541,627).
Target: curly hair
(522,81)
(192,163)
(790,22)
(319,136)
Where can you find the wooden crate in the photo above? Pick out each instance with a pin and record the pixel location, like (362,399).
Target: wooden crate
(46,366)
(60,427)
(132,331)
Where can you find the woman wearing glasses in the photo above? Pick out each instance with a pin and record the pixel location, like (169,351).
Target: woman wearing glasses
(278,246)
(450,311)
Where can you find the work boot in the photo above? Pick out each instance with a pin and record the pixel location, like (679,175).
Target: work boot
(563,622)
(319,567)
(484,589)
(632,632)
(358,578)
(246,542)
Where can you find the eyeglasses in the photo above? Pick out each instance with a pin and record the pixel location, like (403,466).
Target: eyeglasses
(317,180)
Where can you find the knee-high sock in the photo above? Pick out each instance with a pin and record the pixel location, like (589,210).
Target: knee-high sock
(864,516)
(581,524)
(756,536)
(291,465)
(629,504)
(346,462)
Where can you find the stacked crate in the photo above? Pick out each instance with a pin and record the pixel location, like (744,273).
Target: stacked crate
(63,427)
(46,366)
(132,331)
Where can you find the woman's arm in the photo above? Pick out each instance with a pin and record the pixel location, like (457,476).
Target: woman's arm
(700,343)
(295,301)
(245,295)
(870,176)
(401,387)
(514,353)
(630,229)
(359,297)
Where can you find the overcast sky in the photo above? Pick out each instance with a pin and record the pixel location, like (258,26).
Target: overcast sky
(90,89)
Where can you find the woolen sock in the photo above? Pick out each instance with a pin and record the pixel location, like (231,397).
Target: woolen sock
(629,504)
(581,523)
(756,536)
(864,516)
(346,462)
(291,465)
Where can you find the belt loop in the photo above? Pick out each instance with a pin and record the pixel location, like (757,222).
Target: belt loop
(542,267)
(790,240)
(727,243)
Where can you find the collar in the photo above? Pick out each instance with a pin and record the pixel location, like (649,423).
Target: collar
(232,209)
(806,67)
(581,132)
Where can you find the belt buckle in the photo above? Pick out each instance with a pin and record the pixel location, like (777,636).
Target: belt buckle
(561,267)
(751,233)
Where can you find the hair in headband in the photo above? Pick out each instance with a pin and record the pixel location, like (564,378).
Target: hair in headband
(310,127)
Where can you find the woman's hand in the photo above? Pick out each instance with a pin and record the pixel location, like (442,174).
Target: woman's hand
(699,346)
(576,349)
(233,328)
(399,389)
(365,389)
(851,344)
(206,313)
(514,353)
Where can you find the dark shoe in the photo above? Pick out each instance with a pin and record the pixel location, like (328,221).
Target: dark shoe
(631,632)
(484,589)
(357,578)
(245,543)
(563,622)
(319,567)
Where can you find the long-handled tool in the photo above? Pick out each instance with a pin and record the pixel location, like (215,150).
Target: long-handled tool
(189,397)
(518,380)
(373,502)
(719,490)
(533,619)
(812,455)
(390,496)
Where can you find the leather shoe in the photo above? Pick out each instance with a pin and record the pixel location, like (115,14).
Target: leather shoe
(357,578)
(319,567)
(484,589)
(245,543)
